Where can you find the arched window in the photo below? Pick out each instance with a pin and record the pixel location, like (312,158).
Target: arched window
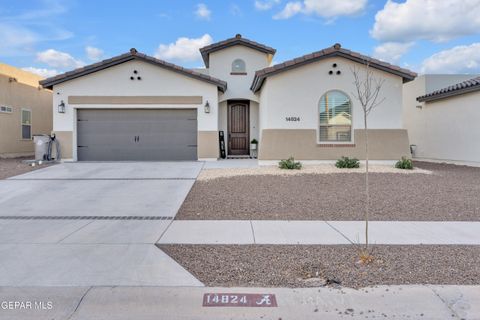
(335,113)
(238,66)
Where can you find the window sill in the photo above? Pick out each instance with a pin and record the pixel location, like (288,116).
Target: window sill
(336,145)
(238,73)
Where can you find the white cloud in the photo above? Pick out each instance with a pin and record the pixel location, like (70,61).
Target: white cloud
(93,53)
(184,49)
(391,51)
(50,7)
(19,34)
(16,39)
(426,19)
(203,12)
(460,59)
(291,9)
(58,59)
(43,72)
(263,5)
(322,8)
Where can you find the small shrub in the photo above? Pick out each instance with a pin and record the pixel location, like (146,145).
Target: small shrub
(254,141)
(289,164)
(346,162)
(365,257)
(404,163)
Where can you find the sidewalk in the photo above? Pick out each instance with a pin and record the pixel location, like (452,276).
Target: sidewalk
(383,302)
(320,232)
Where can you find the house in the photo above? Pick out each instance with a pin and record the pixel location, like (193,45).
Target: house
(25,110)
(136,107)
(441,114)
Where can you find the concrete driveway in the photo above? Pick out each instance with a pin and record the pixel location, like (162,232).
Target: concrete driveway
(88,224)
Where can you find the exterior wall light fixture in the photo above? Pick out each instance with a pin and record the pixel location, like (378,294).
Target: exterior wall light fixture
(207,107)
(61,107)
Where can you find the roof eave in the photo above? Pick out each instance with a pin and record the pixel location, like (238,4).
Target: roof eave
(449,94)
(205,57)
(259,80)
(205,51)
(50,82)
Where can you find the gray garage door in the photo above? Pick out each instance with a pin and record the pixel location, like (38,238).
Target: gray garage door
(136,135)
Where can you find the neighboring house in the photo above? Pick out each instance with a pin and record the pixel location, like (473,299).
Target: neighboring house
(25,110)
(136,107)
(441,114)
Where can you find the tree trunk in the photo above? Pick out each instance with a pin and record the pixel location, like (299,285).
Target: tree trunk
(367,190)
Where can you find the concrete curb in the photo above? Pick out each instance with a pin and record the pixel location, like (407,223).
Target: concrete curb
(413,302)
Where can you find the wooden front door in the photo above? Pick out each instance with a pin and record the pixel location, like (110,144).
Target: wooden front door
(238,128)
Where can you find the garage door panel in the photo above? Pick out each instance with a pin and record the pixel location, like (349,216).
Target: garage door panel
(109,135)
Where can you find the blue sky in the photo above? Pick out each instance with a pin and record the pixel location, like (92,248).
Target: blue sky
(52,36)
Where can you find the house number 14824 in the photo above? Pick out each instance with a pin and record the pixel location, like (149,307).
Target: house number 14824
(292,118)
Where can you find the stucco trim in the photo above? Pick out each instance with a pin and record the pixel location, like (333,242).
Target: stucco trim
(207,145)
(384,144)
(336,145)
(135,100)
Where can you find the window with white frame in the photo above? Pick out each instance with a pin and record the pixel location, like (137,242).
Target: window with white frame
(238,66)
(6,109)
(26,124)
(335,115)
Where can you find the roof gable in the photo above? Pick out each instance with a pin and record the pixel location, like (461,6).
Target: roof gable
(237,40)
(334,51)
(132,55)
(454,90)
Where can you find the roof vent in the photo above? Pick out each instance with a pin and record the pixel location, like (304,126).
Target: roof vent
(238,36)
(133,51)
(337,46)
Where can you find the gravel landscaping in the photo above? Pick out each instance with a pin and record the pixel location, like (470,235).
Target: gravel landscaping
(314,266)
(15,166)
(209,174)
(434,192)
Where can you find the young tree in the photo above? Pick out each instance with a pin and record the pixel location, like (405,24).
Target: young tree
(367,93)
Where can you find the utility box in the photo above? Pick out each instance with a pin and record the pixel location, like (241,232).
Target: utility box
(41,146)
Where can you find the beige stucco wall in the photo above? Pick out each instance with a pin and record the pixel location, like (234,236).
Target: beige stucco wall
(18,95)
(384,144)
(156,81)
(65,138)
(208,145)
(445,129)
(20,75)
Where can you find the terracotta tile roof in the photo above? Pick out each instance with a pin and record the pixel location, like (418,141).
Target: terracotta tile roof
(237,40)
(131,55)
(334,51)
(457,89)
